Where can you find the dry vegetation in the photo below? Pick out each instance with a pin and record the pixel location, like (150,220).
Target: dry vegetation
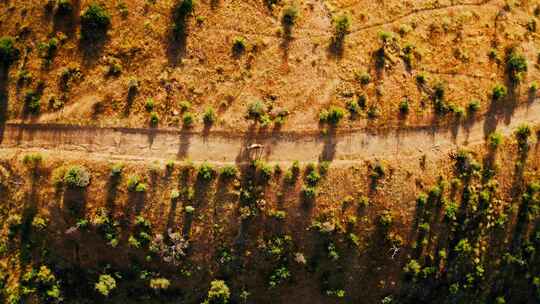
(97,215)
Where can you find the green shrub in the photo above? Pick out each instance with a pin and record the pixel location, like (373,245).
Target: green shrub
(473,106)
(313,178)
(32,160)
(77,177)
(219,293)
(206,172)
(364,78)
(149,105)
(48,49)
(95,22)
(290,13)
(116,170)
(309,192)
(8,52)
(421,79)
(495,140)
(229,171)
(159,283)
(256,109)
(188,119)
(335,114)
(132,182)
(523,133)
(209,116)
(404,107)
(352,106)
(154,119)
(239,45)
(499,92)
(105,285)
(342,25)
(32,102)
(516,65)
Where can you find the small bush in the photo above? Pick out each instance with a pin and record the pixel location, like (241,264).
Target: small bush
(404,107)
(149,105)
(473,106)
(516,65)
(333,115)
(421,79)
(159,284)
(229,171)
(219,293)
(364,78)
(95,22)
(209,116)
(77,177)
(105,285)
(188,119)
(495,140)
(523,133)
(290,13)
(32,160)
(499,92)
(206,172)
(32,102)
(309,192)
(8,52)
(239,45)
(132,182)
(256,109)
(154,119)
(342,25)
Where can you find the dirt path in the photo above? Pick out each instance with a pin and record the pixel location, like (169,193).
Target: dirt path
(353,146)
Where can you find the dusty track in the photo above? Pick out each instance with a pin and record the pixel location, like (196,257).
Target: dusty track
(348,146)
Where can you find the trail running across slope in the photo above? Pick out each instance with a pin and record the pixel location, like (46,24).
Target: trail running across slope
(223,147)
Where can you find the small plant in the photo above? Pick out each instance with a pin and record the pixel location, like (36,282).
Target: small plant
(32,160)
(206,172)
(333,115)
(364,78)
(523,133)
(290,13)
(95,22)
(32,102)
(516,65)
(77,177)
(154,119)
(47,50)
(209,116)
(404,107)
(159,284)
(239,45)
(8,52)
(149,105)
(188,119)
(132,182)
(473,106)
(352,106)
(229,171)
(309,192)
(499,92)
(256,109)
(495,139)
(219,293)
(421,79)
(105,285)
(342,24)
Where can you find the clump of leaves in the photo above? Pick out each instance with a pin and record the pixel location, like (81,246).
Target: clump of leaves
(95,22)
(105,285)
(8,52)
(219,293)
(77,177)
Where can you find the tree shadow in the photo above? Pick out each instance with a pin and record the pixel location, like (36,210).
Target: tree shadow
(177,37)
(65,21)
(112,191)
(184,144)
(329,144)
(4,100)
